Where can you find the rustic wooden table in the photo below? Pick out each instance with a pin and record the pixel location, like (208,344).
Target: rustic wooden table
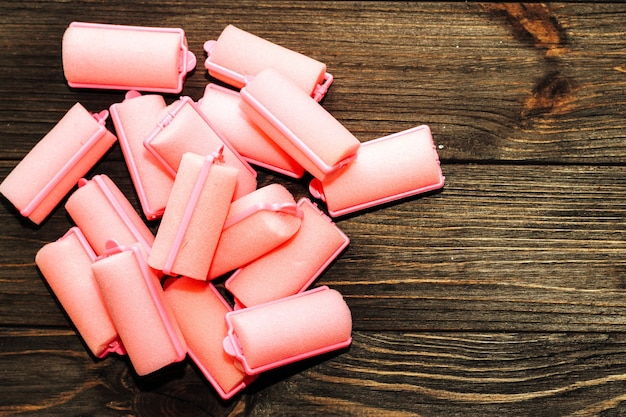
(503,294)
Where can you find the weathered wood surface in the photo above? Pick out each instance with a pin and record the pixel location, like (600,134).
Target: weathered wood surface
(502,294)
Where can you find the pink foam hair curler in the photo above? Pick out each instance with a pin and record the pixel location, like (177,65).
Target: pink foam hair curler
(222,106)
(134,297)
(237,54)
(134,119)
(256,224)
(386,169)
(291,329)
(103,213)
(293,266)
(55,164)
(299,125)
(200,311)
(121,57)
(184,128)
(66,267)
(194,217)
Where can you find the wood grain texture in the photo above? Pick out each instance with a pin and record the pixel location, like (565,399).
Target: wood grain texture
(387,373)
(502,294)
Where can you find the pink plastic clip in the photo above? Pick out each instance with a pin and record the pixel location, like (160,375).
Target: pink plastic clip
(390,168)
(146,326)
(190,208)
(133,119)
(291,329)
(51,169)
(66,266)
(321,89)
(143,58)
(194,217)
(237,54)
(300,126)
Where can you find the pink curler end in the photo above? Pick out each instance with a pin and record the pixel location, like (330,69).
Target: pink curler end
(135,300)
(300,126)
(237,54)
(66,266)
(222,106)
(103,213)
(200,311)
(386,169)
(126,57)
(293,266)
(275,334)
(194,217)
(182,128)
(134,119)
(256,224)
(55,164)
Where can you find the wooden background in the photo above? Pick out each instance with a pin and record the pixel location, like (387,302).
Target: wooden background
(503,294)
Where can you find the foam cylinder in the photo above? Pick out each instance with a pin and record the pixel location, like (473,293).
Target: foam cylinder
(237,54)
(256,224)
(126,57)
(55,164)
(103,213)
(386,169)
(288,330)
(200,311)
(222,106)
(184,128)
(299,125)
(66,267)
(194,217)
(135,300)
(293,266)
(134,119)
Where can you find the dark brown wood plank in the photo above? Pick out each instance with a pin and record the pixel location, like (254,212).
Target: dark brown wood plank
(48,372)
(458,374)
(473,374)
(532,83)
